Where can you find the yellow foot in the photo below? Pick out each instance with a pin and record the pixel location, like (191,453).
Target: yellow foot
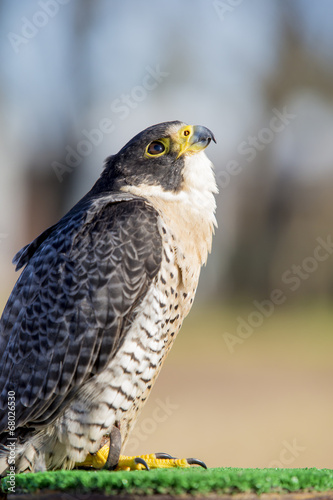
(152,461)
(156,461)
(97,460)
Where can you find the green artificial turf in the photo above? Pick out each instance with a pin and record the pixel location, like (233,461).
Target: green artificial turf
(176,481)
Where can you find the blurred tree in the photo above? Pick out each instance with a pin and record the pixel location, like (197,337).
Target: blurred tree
(272,199)
(47,197)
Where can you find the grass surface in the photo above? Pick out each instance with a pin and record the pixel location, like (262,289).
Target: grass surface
(176,481)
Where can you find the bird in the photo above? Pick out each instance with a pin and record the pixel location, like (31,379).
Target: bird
(99,302)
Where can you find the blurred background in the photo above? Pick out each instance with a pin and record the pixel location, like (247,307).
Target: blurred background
(249,381)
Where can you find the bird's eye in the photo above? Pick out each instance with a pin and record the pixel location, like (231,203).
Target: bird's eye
(155,148)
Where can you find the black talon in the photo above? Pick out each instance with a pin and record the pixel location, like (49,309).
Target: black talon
(139,460)
(114,450)
(195,461)
(163,456)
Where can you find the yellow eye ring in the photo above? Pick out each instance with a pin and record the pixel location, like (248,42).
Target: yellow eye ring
(157,148)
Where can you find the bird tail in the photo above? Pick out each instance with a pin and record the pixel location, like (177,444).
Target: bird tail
(17,457)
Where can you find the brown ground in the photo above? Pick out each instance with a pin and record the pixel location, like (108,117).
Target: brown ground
(267,404)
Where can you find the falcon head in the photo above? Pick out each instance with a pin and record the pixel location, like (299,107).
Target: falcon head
(168,155)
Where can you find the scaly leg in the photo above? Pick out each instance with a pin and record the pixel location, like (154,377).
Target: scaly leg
(108,457)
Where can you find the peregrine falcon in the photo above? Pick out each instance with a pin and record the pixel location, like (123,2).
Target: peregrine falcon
(101,298)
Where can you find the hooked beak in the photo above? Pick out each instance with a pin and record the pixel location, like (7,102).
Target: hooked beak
(194,138)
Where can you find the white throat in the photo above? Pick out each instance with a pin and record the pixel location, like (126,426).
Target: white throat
(190,212)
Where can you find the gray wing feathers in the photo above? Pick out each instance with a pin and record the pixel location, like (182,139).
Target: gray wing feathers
(73,303)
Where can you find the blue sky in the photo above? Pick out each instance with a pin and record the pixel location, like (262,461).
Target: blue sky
(212,59)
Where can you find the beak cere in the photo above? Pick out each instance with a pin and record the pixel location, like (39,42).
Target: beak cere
(196,141)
